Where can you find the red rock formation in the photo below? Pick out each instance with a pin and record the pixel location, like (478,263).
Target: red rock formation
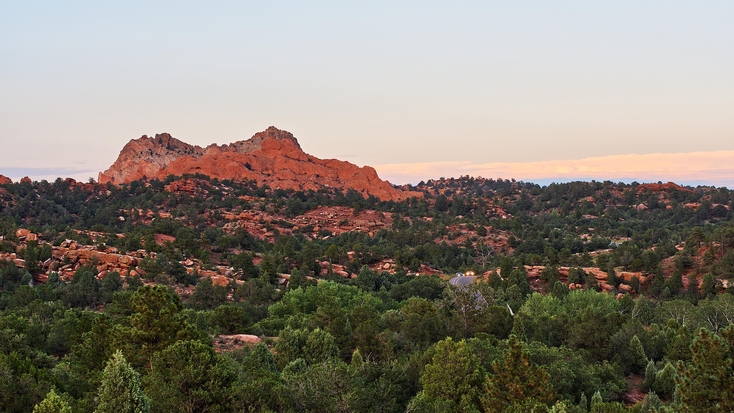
(670,186)
(272,157)
(5,180)
(188,186)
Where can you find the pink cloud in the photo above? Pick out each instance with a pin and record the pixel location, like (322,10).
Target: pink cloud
(707,168)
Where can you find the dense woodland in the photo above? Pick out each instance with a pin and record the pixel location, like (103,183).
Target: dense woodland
(661,340)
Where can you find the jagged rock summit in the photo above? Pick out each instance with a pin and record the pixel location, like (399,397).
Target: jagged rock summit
(271,157)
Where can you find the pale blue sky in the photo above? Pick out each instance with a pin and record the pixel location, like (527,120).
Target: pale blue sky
(368,82)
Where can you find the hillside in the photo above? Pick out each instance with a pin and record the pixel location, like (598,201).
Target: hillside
(599,288)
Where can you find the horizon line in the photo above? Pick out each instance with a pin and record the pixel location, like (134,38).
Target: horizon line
(707,168)
(687,168)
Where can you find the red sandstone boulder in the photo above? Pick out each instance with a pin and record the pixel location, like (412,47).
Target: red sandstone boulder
(627,276)
(162,239)
(606,287)
(4,180)
(670,186)
(246,338)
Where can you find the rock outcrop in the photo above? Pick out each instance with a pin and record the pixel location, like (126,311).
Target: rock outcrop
(670,186)
(5,180)
(272,157)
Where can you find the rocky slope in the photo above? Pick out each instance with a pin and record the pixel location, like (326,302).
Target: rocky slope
(272,157)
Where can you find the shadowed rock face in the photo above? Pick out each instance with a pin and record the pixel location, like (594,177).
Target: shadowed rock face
(271,157)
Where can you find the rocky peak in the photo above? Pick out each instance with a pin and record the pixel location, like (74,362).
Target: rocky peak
(160,149)
(255,143)
(272,157)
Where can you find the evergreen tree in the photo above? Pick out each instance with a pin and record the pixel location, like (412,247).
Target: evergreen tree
(612,278)
(658,282)
(576,276)
(596,400)
(519,278)
(651,403)
(120,390)
(560,290)
(259,359)
(706,384)
(708,285)
(324,387)
(320,346)
(207,296)
(664,384)
(692,289)
(243,262)
(190,376)
(157,322)
(52,404)
(357,360)
(516,381)
(583,403)
(638,359)
(452,378)
(674,283)
(650,372)
(680,346)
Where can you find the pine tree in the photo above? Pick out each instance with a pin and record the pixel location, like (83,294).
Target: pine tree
(612,276)
(665,381)
(658,282)
(452,377)
(706,383)
(674,283)
(596,400)
(559,407)
(52,404)
(260,359)
(583,403)
(516,381)
(708,285)
(357,360)
(651,403)
(638,359)
(320,346)
(692,289)
(650,372)
(189,376)
(680,347)
(120,390)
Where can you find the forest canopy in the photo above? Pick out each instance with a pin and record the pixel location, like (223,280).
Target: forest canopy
(228,296)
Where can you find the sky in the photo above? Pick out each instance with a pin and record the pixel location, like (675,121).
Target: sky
(538,91)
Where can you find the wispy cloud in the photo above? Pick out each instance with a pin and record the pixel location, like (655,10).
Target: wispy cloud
(693,168)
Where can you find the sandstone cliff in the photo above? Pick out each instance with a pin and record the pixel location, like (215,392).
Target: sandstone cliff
(271,157)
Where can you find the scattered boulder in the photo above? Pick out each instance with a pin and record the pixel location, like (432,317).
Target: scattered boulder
(226,343)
